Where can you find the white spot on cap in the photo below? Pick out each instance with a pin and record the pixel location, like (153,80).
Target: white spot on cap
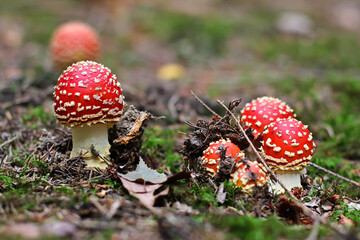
(277,149)
(289,154)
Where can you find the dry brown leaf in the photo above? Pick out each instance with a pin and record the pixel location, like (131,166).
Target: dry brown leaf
(134,131)
(345,220)
(288,210)
(102,193)
(144,192)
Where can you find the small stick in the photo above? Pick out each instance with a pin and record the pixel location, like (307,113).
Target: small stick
(204,104)
(8,141)
(335,174)
(314,232)
(236,211)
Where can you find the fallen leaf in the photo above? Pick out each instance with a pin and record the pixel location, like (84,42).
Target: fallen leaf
(184,208)
(221,196)
(134,131)
(144,174)
(143,192)
(314,203)
(288,210)
(102,193)
(354,206)
(143,182)
(345,220)
(334,198)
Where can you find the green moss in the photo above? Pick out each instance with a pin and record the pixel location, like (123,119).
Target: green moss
(36,116)
(247,227)
(159,144)
(347,211)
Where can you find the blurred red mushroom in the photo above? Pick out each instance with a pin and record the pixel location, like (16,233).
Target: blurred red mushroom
(73,42)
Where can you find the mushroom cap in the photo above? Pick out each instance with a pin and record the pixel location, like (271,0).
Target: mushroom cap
(212,155)
(287,145)
(263,111)
(87,93)
(73,42)
(248,175)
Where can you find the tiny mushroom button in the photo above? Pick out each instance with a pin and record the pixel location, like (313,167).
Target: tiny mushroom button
(212,155)
(249,175)
(287,148)
(263,111)
(89,100)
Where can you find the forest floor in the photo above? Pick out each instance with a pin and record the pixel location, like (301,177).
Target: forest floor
(226,50)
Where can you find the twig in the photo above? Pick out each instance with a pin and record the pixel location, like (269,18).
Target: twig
(236,211)
(8,141)
(113,209)
(204,104)
(101,208)
(314,232)
(335,174)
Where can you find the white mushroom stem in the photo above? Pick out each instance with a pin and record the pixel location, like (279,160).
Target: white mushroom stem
(290,180)
(85,136)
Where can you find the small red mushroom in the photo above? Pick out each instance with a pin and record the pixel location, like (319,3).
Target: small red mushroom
(287,148)
(263,111)
(212,155)
(248,175)
(88,98)
(73,42)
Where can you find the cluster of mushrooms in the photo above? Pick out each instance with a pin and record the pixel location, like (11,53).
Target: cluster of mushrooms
(286,145)
(89,99)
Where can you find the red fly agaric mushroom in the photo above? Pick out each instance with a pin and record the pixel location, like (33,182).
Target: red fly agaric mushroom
(263,111)
(73,42)
(248,175)
(212,155)
(287,148)
(88,98)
